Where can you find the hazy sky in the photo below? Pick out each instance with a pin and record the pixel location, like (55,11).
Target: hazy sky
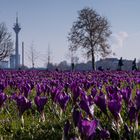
(46,22)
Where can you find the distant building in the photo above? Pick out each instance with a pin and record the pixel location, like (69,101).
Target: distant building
(12,60)
(107,63)
(3,64)
(112,64)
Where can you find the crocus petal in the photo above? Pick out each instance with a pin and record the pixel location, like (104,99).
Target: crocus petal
(115,107)
(23,104)
(3,97)
(132,114)
(63,99)
(104,134)
(40,102)
(76,116)
(137,99)
(88,127)
(100,101)
(83,104)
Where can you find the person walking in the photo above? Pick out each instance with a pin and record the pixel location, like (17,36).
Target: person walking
(120,64)
(134,65)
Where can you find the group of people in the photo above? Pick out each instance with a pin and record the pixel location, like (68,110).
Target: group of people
(120,64)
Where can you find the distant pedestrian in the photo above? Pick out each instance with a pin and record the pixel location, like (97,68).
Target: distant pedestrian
(57,70)
(100,68)
(72,66)
(120,64)
(108,68)
(134,65)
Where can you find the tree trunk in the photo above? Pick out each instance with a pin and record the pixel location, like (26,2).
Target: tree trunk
(93,60)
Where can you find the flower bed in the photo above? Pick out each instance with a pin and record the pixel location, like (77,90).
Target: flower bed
(69,105)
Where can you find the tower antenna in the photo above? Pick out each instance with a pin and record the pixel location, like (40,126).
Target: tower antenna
(48,55)
(17,17)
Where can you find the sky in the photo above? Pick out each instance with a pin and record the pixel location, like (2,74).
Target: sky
(47,23)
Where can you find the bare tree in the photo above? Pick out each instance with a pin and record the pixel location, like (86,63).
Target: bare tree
(91,32)
(47,58)
(6,44)
(33,55)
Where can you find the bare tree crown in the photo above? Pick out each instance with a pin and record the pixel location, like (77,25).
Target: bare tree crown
(91,32)
(6,44)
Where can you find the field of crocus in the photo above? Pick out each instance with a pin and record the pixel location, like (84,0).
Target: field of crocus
(69,105)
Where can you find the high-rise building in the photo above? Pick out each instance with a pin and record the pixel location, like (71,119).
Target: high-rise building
(12,60)
(3,64)
(17,58)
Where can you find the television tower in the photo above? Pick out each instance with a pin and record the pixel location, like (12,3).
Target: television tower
(16,29)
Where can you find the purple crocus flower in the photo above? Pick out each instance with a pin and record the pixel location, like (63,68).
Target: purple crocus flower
(25,89)
(66,128)
(111,89)
(93,92)
(23,104)
(76,116)
(86,84)
(84,105)
(115,107)
(1,87)
(3,97)
(100,101)
(115,96)
(88,128)
(126,93)
(137,99)
(38,89)
(63,99)
(132,114)
(54,93)
(26,92)
(83,95)
(76,93)
(104,134)
(40,102)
